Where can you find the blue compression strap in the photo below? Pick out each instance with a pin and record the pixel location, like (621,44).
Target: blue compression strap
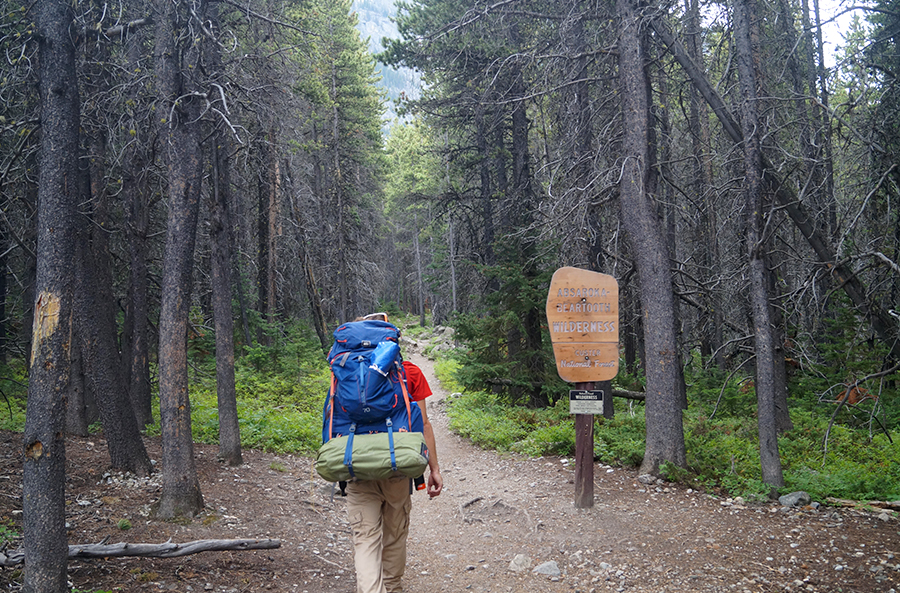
(361,383)
(391,441)
(348,452)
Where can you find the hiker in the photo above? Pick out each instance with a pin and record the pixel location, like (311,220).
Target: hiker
(378,510)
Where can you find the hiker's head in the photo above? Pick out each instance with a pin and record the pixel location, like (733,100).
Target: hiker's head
(373,317)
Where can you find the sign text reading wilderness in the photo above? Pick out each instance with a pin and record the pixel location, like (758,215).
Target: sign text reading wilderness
(583,314)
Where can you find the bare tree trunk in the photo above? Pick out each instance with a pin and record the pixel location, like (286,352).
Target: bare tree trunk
(137,202)
(95,311)
(759,294)
(315,302)
(665,434)
(220,231)
(134,187)
(711,316)
(660,155)
(824,138)
(180,134)
(222,240)
(419,280)
(486,194)
(44,467)
(451,239)
(138,359)
(265,232)
(81,409)
(4,289)
(96,332)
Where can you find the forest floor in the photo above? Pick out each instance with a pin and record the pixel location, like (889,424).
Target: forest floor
(503,524)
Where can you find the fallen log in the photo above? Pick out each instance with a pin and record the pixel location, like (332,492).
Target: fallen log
(626,394)
(623,393)
(879,504)
(166,550)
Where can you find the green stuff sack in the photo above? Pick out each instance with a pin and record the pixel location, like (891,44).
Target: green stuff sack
(371,457)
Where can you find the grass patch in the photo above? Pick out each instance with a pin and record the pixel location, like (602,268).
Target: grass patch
(722,453)
(13,394)
(8,533)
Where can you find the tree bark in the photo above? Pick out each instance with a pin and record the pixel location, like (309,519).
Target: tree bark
(43,481)
(220,231)
(222,240)
(4,289)
(138,359)
(759,294)
(665,433)
(81,408)
(267,224)
(420,281)
(180,134)
(95,310)
(95,322)
(137,200)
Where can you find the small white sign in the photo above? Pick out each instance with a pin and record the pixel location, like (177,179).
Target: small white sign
(583,401)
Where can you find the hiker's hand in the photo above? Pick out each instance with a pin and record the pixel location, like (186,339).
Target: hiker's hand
(435,483)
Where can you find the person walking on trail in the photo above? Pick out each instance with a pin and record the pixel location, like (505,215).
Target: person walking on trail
(378,510)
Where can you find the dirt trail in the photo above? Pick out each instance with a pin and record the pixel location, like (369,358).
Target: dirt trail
(495,510)
(655,538)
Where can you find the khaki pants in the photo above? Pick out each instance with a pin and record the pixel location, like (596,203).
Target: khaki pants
(379,516)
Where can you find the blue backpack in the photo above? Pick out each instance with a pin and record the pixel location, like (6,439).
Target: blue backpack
(369,391)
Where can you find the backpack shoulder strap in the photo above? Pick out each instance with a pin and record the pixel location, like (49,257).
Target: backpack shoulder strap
(406,399)
(331,395)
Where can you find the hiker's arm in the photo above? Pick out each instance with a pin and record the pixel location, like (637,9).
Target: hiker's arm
(435,481)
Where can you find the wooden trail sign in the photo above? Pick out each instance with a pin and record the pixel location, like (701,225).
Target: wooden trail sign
(583,314)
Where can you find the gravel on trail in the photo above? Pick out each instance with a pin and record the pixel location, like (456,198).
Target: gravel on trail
(504,523)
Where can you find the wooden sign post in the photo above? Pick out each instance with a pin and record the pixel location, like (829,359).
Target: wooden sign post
(583,314)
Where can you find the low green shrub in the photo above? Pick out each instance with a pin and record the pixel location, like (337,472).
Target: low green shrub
(13,395)
(722,451)
(556,439)
(8,533)
(620,441)
(479,417)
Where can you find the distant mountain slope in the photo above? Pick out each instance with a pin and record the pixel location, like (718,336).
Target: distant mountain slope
(375,23)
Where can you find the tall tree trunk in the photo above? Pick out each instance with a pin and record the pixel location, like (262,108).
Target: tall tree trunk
(81,409)
(759,294)
(138,360)
(180,134)
(711,321)
(315,301)
(220,231)
(95,323)
(824,137)
(138,203)
(665,433)
(222,240)
(451,240)
(419,276)
(660,155)
(44,467)
(524,193)
(4,289)
(486,195)
(95,312)
(337,190)
(266,189)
